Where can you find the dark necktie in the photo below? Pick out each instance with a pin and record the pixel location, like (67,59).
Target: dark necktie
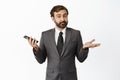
(60,43)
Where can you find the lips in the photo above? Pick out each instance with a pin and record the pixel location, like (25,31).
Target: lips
(63,23)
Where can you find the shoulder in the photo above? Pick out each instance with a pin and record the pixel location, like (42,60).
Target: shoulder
(48,31)
(74,30)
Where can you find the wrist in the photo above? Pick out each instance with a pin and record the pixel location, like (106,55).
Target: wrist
(36,49)
(84,47)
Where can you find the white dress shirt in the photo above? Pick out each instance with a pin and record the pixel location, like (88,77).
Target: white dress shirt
(57,34)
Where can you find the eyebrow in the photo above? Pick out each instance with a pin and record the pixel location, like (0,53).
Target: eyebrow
(63,14)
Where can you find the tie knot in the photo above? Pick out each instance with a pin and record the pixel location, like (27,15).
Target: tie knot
(61,33)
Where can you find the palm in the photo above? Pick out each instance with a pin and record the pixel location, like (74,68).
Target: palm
(90,44)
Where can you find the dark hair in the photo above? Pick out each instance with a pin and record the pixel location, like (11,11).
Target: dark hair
(57,8)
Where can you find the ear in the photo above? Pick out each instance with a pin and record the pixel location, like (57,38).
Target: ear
(52,18)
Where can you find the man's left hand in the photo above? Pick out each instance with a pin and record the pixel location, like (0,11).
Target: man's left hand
(90,44)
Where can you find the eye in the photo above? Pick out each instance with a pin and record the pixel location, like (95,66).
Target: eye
(58,16)
(65,15)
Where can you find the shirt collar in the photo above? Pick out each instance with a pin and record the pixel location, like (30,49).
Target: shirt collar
(58,31)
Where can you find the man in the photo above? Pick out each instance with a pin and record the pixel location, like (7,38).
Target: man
(60,45)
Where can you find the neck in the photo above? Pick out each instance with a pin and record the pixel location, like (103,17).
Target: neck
(60,29)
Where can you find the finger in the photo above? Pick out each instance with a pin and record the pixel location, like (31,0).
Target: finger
(30,41)
(95,45)
(92,40)
(98,44)
(35,41)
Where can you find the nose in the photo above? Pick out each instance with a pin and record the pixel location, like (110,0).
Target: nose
(62,19)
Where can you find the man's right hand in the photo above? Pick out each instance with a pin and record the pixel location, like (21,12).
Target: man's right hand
(33,43)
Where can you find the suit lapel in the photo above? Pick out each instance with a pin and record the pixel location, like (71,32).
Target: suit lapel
(67,39)
(52,41)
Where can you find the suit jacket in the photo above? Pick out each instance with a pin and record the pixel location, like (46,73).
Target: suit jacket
(61,67)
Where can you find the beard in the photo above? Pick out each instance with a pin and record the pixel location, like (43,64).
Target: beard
(61,24)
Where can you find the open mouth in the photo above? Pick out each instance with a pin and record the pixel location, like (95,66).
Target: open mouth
(63,24)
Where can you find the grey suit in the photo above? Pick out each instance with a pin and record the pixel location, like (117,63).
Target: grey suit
(61,67)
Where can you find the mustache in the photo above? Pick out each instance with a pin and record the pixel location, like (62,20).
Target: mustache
(63,22)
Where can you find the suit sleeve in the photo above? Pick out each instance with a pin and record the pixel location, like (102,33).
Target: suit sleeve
(81,53)
(41,54)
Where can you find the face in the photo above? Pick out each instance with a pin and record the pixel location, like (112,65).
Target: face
(60,18)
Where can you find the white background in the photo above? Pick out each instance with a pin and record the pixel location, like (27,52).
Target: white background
(96,19)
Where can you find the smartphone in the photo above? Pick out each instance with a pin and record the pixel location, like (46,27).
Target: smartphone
(27,37)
